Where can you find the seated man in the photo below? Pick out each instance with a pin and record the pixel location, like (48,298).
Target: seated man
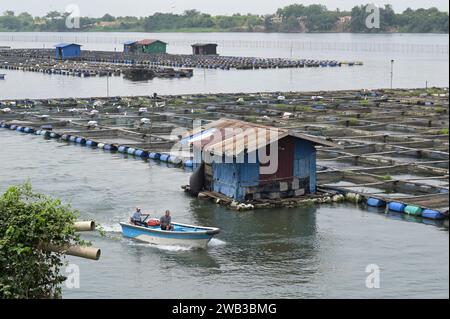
(137,217)
(166,221)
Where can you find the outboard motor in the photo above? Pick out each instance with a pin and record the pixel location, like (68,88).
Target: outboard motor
(197,180)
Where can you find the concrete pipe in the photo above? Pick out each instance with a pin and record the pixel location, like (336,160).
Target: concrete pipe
(77,251)
(85,226)
(84,252)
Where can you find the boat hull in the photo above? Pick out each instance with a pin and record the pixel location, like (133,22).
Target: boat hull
(156,236)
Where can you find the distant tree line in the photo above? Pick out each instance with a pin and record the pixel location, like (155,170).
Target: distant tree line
(292,18)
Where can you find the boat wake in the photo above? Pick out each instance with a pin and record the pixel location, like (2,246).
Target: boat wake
(132,242)
(216,243)
(113,228)
(174,248)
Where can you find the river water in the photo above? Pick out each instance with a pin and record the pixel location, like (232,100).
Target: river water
(418,58)
(317,252)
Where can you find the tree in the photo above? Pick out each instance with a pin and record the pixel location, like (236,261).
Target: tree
(108,18)
(28,220)
(53,15)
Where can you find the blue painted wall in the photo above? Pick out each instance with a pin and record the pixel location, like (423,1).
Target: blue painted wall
(232,179)
(305,162)
(70,51)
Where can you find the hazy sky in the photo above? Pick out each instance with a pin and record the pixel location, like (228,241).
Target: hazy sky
(97,8)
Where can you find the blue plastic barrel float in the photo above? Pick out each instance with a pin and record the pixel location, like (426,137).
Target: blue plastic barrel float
(45,133)
(101,145)
(80,140)
(432,214)
(19,129)
(413,210)
(375,202)
(38,132)
(91,143)
(122,149)
(13,127)
(28,130)
(189,163)
(131,151)
(397,207)
(107,147)
(72,138)
(141,153)
(164,157)
(155,156)
(65,137)
(54,135)
(175,160)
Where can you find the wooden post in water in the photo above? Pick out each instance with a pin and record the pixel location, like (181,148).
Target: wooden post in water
(392,73)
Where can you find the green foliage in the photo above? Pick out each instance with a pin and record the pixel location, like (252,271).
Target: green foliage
(387,177)
(415,21)
(27,220)
(292,18)
(315,17)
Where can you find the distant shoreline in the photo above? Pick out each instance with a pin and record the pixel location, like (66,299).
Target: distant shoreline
(294,18)
(220,31)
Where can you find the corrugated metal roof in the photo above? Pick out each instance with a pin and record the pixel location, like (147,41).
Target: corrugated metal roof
(63,45)
(203,44)
(232,137)
(129,42)
(149,41)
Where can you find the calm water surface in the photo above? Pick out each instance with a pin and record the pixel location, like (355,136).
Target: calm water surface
(418,58)
(289,253)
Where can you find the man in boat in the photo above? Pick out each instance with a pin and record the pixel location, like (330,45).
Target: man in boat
(137,217)
(166,221)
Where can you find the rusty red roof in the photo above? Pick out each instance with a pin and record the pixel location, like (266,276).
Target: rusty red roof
(232,137)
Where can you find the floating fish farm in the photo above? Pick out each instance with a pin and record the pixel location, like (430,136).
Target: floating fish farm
(393,154)
(103,63)
(42,61)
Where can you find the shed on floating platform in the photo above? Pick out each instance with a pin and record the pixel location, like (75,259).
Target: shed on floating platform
(145,46)
(129,46)
(245,161)
(67,50)
(204,49)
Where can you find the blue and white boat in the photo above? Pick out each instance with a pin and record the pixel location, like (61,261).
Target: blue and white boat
(182,235)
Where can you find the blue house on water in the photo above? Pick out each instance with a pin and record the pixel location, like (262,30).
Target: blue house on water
(246,161)
(67,51)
